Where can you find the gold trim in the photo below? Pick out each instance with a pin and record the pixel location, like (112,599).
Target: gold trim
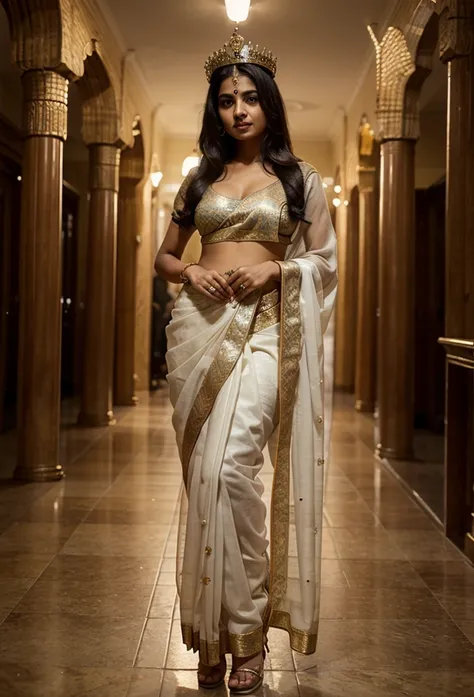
(248,644)
(210,652)
(290,352)
(302,641)
(266,319)
(217,374)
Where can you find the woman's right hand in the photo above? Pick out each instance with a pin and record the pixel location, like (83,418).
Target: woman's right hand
(203,280)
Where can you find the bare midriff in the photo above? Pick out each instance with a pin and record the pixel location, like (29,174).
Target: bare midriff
(227,256)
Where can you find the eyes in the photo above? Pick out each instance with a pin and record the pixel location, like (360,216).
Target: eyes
(228,102)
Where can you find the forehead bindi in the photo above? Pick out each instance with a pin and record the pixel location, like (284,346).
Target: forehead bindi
(245,84)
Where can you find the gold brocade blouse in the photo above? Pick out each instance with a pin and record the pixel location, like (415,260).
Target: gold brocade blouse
(259,217)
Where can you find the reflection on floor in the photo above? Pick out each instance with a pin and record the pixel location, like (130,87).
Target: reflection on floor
(87,597)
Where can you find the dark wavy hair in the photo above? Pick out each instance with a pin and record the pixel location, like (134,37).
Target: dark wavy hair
(217,149)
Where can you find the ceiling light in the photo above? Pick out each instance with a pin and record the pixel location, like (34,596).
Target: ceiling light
(237,10)
(336,202)
(337,189)
(156,178)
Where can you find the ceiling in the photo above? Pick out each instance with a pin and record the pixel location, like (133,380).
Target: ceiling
(322,48)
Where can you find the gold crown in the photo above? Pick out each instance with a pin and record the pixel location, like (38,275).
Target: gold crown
(236,51)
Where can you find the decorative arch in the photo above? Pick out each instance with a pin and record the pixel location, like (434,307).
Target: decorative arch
(100,110)
(404,61)
(47,35)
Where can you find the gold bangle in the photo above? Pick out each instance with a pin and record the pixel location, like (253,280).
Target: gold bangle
(184,278)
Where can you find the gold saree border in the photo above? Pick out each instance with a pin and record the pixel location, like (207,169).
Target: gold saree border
(301,641)
(217,374)
(239,645)
(266,319)
(290,353)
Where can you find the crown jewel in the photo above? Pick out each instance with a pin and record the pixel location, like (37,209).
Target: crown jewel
(236,51)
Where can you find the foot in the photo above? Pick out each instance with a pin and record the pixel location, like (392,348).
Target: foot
(247,673)
(210,676)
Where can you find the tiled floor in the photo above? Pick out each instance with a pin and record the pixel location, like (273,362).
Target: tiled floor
(87,597)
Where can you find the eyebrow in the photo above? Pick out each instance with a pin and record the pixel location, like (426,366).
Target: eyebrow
(227,94)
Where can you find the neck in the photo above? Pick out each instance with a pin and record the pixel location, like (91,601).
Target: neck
(248,151)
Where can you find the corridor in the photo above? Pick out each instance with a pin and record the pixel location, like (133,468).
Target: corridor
(87,595)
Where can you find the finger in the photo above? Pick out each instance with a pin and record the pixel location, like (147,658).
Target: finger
(241,284)
(212,286)
(242,294)
(222,281)
(233,277)
(211,296)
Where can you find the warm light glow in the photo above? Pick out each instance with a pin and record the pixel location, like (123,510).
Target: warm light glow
(346,202)
(237,10)
(329,181)
(19,177)
(156,178)
(337,189)
(325,185)
(336,202)
(189,163)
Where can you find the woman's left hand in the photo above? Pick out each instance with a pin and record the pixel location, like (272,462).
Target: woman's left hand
(248,278)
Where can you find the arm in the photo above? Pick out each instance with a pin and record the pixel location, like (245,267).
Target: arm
(168,262)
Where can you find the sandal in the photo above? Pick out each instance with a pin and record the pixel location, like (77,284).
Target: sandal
(203,669)
(247,688)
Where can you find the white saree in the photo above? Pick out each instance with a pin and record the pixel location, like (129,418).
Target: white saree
(241,378)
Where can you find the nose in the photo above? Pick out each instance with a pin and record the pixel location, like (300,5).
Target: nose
(240,111)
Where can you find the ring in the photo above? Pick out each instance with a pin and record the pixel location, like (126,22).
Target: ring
(242,286)
(211,289)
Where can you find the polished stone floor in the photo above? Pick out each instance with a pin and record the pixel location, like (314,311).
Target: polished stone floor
(87,596)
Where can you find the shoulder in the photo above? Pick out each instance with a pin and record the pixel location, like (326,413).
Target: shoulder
(307,170)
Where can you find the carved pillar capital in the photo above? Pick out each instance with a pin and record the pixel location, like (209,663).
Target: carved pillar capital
(395,66)
(455,28)
(104,167)
(45,104)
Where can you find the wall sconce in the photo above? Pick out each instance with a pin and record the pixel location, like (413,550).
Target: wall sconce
(237,10)
(190,162)
(337,189)
(156,178)
(336,202)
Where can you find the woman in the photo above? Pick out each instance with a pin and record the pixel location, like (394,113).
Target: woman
(245,370)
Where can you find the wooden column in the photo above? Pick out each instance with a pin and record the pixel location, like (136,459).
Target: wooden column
(98,354)
(396,299)
(126,294)
(348,251)
(456,38)
(365,383)
(39,359)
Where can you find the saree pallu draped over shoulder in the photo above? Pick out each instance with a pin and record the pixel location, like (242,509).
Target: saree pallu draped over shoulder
(242,378)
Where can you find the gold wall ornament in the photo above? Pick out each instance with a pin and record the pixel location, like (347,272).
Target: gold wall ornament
(45,104)
(366,138)
(236,51)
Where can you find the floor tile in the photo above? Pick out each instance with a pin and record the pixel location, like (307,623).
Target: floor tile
(154,643)
(69,640)
(114,599)
(118,540)
(375,683)
(62,681)
(37,538)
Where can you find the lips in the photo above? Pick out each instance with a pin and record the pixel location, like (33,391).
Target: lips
(242,126)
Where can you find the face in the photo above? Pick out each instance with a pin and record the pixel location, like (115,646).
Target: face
(239,108)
